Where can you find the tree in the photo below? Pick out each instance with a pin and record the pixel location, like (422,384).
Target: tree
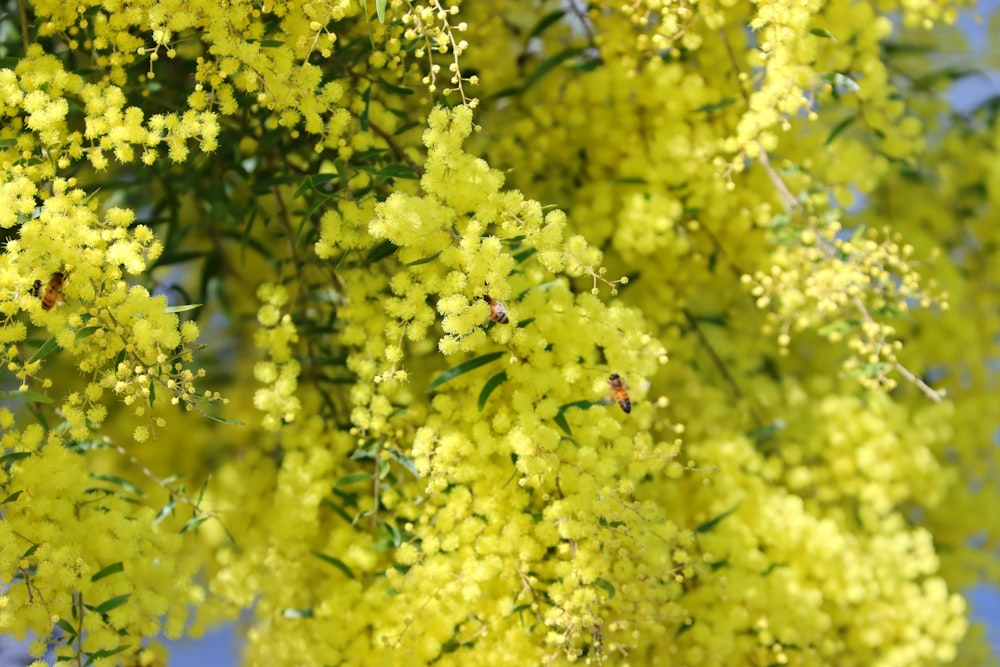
(357,316)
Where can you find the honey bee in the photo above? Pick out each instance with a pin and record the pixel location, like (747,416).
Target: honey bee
(620,391)
(52,295)
(498,311)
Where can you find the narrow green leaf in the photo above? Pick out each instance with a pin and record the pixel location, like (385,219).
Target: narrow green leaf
(298,613)
(114,568)
(30,551)
(271,43)
(715,106)
(353,478)
(383,249)
(11,498)
(405,461)
(341,512)
(232,422)
(546,22)
(840,127)
(336,562)
(822,32)
(192,524)
(366,97)
(47,348)
(560,419)
(181,309)
(85,333)
(13,456)
(393,88)
(117,481)
(490,385)
(179,257)
(765,432)
(424,260)
(102,654)
(406,127)
(66,627)
(30,396)
(840,326)
(524,254)
(548,65)
(111,604)
(380,10)
(684,628)
(606,586)
(463,368)
(712,523)
(165,511)
(396,171)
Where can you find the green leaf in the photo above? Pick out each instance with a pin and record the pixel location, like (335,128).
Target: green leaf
(765,432)
(405,461)
(462,368)
(546,22)
(353,478)
(560,419)
(66,627)
(117,481)
(341,512)
(181,309)
(298,613)
(30,396)
(822,32)
(366,97)
(179,257)
(383,249)
(548,65)
(111,604)
(396,171)
(380,10)
(232,422)
(490,385)
(684,628)
(271,43)
(840,326)
(85,333)
(424,260)
(336,562)
(114,568)
(393,88)
(165,511)
(192,524)
(13,456)
(103,653)
(715,106)
(840,127)
(712,523)
(11,498)
(47,348)
(606,586)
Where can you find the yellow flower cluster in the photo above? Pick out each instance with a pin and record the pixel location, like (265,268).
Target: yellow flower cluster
(469,448)
(838,286)
(280,372)
(80,560)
